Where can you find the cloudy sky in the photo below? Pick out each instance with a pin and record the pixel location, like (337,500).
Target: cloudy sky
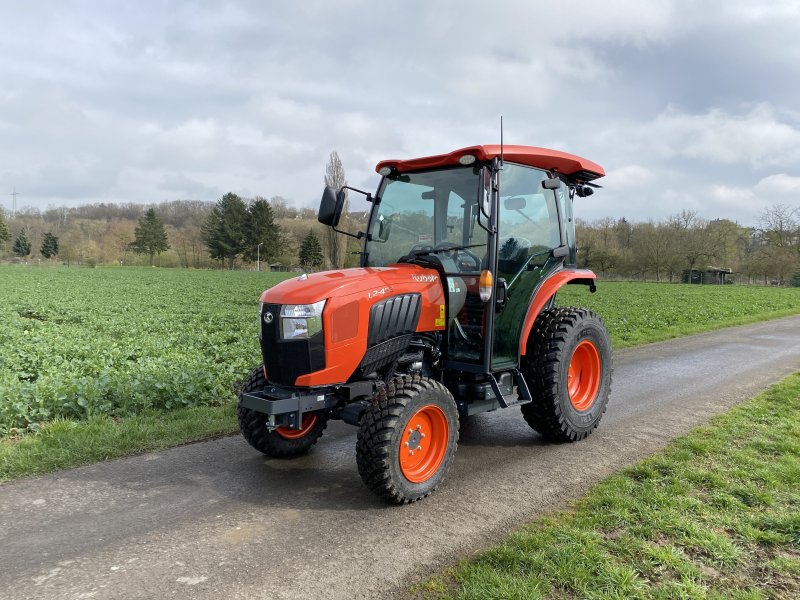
(687,104)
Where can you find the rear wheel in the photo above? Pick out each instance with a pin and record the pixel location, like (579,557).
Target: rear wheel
(568,370)
(408,438)
(283,441)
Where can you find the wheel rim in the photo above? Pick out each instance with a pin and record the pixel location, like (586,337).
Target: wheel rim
(423,444)
(584,375)
(309,420)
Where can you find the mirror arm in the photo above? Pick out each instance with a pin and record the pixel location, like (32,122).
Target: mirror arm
(357,236)
(367,194)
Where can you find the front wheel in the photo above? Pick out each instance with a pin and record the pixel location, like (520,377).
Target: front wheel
(408,438)
(282,441)
(568,370)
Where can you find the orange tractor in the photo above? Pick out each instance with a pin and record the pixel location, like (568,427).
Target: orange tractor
(451,313)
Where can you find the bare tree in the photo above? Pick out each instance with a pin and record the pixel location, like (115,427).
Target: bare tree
(335,243)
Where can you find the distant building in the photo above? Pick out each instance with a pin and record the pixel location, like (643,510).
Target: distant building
(278,267)
(708,276)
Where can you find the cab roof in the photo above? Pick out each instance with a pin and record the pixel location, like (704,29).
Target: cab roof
(574,167)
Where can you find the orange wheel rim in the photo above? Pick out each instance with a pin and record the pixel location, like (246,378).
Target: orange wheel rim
(423,444)
(584,375)
(309,420)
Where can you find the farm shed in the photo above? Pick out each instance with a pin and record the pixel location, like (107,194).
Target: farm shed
(709,276)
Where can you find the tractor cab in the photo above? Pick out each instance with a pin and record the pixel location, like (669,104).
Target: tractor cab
(450,314)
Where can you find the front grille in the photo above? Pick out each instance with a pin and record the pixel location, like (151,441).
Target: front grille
(288,360)
(391,324)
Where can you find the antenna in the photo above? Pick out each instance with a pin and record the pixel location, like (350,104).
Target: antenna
(14,195)
(501,141)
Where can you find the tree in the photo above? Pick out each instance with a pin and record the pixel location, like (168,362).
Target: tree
(311,251)
(49,247)
(335,242)
(224,231)
(4,234)
(260,228)
(150,237)
(22,245)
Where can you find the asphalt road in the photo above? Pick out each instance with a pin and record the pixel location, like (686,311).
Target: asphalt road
(215,519)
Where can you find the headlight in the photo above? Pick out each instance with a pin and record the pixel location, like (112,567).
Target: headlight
(301,321)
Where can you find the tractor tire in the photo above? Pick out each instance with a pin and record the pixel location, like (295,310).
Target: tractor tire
(281,442)
(568,369)
(408,438)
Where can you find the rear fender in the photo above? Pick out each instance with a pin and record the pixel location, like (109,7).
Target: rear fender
(547,289)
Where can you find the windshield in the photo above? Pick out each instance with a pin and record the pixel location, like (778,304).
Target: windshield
(428,211)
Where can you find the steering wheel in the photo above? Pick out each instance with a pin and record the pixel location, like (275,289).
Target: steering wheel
(455,250)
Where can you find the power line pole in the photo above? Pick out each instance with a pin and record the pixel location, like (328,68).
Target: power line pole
(14,195)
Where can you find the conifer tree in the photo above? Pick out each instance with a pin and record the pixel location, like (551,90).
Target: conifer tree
(224,232)
(49,247)
(22,245)
(150,237)
(260,228)
(311,251)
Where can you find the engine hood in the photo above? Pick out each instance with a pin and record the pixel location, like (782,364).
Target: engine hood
(307,289)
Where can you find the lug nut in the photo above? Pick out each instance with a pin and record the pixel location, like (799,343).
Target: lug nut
(419,448)
(419,427)
(411,453)
(422,435)
(406,444)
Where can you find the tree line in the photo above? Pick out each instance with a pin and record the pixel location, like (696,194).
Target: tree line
(245,232)
(666,250)
(234,232)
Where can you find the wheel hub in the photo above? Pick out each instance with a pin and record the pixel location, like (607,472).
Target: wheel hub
(583,378)
(423,444)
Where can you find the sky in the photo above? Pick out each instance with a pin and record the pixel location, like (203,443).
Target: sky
(688,105)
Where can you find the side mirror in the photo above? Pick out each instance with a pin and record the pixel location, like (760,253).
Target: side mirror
(583,190)
(330,207)
(551,184)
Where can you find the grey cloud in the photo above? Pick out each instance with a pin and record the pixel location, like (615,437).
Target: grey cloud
(147,102)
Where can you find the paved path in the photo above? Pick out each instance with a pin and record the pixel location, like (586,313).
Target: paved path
(217,520)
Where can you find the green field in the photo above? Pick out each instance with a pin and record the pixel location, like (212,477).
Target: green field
(639,313)
(80,343)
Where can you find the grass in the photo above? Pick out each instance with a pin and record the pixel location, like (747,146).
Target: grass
(63,443)
(714,515)
(96,354)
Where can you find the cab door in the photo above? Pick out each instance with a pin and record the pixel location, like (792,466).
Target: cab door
(528,230)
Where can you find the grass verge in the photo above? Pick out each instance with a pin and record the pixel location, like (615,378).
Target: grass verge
(63,443)
(714,515)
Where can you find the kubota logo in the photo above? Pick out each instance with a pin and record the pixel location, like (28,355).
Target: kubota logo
(424,278)
(268,317)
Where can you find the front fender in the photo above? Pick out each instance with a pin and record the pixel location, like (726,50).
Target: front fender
(547,289)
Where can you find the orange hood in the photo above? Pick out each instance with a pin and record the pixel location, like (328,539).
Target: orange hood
(307,289)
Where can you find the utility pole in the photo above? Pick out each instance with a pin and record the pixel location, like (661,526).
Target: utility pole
(258,257)
(14,195)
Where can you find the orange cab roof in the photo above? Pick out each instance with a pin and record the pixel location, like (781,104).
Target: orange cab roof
(542,158)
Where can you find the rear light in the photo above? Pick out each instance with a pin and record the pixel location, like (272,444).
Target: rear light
(385,171)
(486,285)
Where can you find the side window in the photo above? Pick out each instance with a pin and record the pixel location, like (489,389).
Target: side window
(528,220)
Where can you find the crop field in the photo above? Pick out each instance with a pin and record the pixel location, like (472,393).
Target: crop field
(77,343)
